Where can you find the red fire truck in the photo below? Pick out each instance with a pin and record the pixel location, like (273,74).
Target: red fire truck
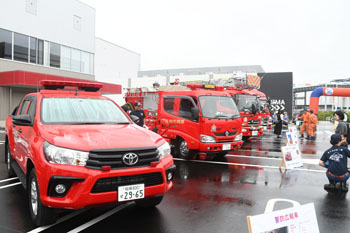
(248,106)
(264,106)
(193,118)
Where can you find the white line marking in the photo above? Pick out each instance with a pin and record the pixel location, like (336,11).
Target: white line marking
(308,161)
(248,165)
(64,218)
(99,218)
(271,152)
(14,178)
(10,185)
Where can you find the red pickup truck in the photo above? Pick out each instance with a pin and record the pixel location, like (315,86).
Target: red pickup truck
(73,148)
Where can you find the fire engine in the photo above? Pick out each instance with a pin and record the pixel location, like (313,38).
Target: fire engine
(192,118)
(73,148)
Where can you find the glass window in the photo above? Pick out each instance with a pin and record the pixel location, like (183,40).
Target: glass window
(85,62)
(40,52)
(218,107)
(5,44)
(20,47)
(76,60)
(81,111)
(33,48)
(24,107)
(65,57)
(185,109)
(169,105)
(55,52)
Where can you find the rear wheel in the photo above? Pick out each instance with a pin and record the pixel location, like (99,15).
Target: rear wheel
(41,215)
(183,151)
(149,202)
(8,160)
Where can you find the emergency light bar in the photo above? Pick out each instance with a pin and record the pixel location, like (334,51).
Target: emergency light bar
(194,86)
(54,85)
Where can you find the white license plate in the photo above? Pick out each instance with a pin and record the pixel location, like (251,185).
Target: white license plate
(131,192)
(254,133)
(226,147)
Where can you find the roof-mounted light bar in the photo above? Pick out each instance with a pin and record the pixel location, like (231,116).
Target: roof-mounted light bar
(54,85)
(194,86)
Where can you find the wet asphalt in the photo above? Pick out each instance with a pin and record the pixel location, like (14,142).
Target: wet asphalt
(209,195)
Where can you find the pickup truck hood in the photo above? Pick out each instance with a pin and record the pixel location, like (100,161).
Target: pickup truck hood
(89,137)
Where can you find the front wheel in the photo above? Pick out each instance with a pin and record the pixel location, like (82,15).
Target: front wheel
(149,202)
(8,160)
(183,151)
(41,215)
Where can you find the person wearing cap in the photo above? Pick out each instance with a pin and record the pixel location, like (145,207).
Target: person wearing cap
(139,113)
(342,128)
(335,159)
(305,125)
(312,125)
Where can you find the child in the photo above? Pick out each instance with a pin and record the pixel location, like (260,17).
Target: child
(336,156)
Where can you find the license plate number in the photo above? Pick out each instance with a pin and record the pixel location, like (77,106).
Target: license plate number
(226,147)
(131,192)
(255,133)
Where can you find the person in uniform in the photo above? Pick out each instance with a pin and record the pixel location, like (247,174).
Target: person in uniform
(312,125)
(335,159)
(305,125)
(139,113)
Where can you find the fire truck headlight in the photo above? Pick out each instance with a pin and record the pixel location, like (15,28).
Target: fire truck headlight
(164,150)
(60,155)
(207,139)
(238,137)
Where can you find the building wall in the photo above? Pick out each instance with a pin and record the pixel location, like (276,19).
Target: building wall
(115,64)
(55,21)
(8,65)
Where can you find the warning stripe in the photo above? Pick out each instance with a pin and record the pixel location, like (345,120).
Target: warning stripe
(253,81)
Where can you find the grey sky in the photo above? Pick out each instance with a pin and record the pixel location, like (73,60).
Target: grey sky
(309,38)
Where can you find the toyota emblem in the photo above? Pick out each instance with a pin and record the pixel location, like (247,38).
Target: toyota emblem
(130,159)
(227,133)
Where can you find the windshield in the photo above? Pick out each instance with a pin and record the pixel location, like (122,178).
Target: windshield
(263,106)
(245,102)
(81,111)
(219,107)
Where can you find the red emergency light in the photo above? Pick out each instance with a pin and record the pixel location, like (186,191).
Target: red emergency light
(85,86)
(194,86)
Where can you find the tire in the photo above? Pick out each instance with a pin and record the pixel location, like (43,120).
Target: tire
(182,150)
(41,215)
(149,202)
(245,138)
(8,160)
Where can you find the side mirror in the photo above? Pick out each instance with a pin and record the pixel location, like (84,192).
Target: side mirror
(164,123)
(135,119)
(22,120)
(254,109)
(195,112)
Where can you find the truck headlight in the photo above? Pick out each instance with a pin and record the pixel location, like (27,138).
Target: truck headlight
(164,150)
(61,155)
(238,137)
(207,139)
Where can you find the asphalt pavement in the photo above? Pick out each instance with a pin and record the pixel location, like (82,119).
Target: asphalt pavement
(209,195)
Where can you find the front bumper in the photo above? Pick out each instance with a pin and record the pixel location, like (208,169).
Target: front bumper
(215,147)
(252,131)
(81,193)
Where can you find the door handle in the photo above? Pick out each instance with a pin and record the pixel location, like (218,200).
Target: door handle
(20,130)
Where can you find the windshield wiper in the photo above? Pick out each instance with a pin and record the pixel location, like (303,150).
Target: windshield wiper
(123,123)
(89,123)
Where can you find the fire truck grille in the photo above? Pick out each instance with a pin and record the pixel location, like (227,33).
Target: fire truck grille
(225,140)
(111,184)
(253,122)
(114,157)
(224,135)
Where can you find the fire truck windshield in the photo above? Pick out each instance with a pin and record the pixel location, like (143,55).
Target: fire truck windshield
(245,102)
(218,107)
(263,106)
(74,111)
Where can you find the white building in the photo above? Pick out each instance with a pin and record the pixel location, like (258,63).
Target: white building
(55,39)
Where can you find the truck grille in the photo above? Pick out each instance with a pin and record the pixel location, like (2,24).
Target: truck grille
(253,122)
(113,157)
(111,184)
(223,134)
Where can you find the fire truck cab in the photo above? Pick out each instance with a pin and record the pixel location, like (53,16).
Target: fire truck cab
(196,118)
(248,106)
(264,108)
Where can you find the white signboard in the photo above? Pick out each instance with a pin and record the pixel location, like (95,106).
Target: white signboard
(291,156)
(292,136)
(299,219)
